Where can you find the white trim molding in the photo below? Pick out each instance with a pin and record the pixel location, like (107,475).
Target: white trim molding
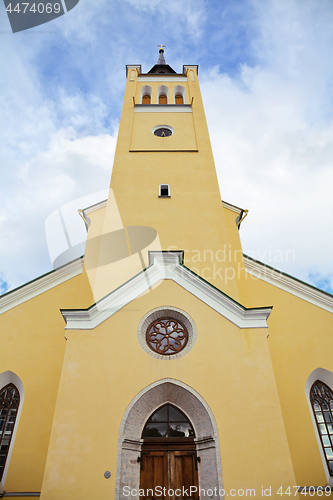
(162,77)
(40,285)
(166,266)
(163,108)
(96,206)
(233,208)
(289,284)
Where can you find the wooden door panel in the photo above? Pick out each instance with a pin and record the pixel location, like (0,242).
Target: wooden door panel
(172,470)
(154,472)
(182,473)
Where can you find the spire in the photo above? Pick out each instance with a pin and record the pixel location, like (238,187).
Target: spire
(161,66)
(161,59)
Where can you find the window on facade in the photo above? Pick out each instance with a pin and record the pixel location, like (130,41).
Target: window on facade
(166,336)
(168,422)
(162,99)
(146,99)
(321,397)
(179,99)
(9,403)
(164,191)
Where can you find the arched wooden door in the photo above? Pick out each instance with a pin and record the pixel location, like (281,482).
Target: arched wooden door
(168,459)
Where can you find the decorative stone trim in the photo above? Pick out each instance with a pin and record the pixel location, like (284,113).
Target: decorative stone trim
(162,312)
(289,284)
(196,410)
(164,266)
(40,285)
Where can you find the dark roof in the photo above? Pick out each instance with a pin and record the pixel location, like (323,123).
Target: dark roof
(161,66)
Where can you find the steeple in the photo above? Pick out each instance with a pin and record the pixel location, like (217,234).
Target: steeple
(161,59)
(161,66)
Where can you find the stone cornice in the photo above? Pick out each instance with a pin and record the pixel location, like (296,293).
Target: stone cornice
(40,285)
(166,265)
(289,284)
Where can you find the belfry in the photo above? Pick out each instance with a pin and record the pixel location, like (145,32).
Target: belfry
(165,363)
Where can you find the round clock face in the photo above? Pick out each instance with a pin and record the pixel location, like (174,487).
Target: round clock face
(163,132)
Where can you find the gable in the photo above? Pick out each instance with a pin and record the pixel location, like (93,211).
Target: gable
(166,266)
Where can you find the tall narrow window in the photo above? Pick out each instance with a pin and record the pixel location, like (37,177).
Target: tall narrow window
(321,397)
(162,99)
(146,99)
(9,403)
(179,99)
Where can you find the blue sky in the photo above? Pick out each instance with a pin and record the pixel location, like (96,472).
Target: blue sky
(266,76)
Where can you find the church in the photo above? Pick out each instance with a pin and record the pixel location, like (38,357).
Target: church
(165,363)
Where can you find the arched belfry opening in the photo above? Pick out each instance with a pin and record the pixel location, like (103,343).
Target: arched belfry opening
(168,437)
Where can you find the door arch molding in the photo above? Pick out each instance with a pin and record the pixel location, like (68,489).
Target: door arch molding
(138,411)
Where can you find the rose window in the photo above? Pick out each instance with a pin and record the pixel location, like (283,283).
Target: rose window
(166,336)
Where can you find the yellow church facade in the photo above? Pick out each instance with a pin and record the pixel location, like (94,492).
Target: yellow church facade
(165,363)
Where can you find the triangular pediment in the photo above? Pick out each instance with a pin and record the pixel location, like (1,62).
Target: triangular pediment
(165,266)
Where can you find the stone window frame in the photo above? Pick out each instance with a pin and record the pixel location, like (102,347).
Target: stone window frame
(314,399)
(9,377)
(325,376)
(162,312)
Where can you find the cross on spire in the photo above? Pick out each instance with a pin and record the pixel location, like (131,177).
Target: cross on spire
(161,59)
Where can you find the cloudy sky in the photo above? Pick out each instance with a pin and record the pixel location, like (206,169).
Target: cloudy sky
(266,74)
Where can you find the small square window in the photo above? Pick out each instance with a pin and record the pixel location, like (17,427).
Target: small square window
(164,191)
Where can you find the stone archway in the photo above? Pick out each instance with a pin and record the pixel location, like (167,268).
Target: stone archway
(198,412)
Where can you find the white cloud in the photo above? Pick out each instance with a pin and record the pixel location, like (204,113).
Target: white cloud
(273,140)
(178,14)
(270,125)
(70,167)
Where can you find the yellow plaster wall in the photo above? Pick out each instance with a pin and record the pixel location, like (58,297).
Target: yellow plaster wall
(105,368)
(300,341)
(143,139)
(32,346)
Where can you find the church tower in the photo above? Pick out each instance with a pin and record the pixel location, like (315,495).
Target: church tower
(164,178)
